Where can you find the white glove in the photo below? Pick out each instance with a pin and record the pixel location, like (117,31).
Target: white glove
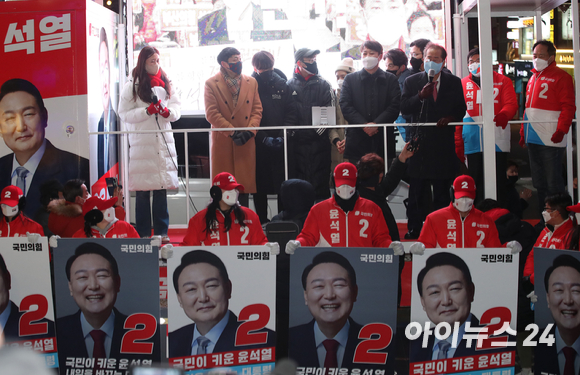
(417,248)
(398,248)
(166,251)
(156,240)
(532,296)
(274,247)
(291,246)
(53,241)
(514,246)
(33,237)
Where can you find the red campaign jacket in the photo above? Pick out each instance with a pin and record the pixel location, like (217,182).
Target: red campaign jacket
(327,225)
(552,240)
(118,229)
(19,226)
(444,228)
(251,234)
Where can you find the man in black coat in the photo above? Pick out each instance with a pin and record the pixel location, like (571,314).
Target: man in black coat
(278,109)
(203,290)
(309,150)
(23,120)
(435,100)
(370,96)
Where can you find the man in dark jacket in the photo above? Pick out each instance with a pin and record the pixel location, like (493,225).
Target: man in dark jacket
(278,109)
(370,96)
(437,99)
(309,150)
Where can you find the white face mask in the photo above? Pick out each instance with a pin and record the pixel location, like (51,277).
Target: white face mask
(230,197)
(345,192)
(9,211)
(340,82)
(370,62)
(109,214)
(463,204)
(547,216)
(474,69)
(577,217)
(540,64)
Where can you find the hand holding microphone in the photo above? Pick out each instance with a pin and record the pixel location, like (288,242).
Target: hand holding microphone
(154,108)
(427,90)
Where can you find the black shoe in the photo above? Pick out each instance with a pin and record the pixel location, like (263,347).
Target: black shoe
(412,235)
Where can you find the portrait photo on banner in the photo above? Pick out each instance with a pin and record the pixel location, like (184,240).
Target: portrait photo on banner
(222,307)
(557,310)
(107,303)
(25,301)
(454,287)
(345,299)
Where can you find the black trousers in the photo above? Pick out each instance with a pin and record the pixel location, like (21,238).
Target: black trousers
(426,196)
(475,168)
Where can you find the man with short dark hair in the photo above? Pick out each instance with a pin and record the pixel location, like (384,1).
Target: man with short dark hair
(232,101)
(550,108)
(469,138)
(66,217)
(309,150)
(435,96)
(278,108)
(562,282)
(557,231)
(417,47)
(34,159)
(97,329)
(329,340)
(204,289)
(369,96)
(396,61)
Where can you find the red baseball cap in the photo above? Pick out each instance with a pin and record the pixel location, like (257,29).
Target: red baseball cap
(464,186)
(11,195)
(345,174)
(226,181)
(96,203)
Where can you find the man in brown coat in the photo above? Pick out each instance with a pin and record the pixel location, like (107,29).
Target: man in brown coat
(232,101)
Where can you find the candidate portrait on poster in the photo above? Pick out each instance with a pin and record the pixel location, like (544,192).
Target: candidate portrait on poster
(109,309)
(213,292)
(336,306)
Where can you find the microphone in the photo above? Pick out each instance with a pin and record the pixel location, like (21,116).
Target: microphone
(154,98)
(431,75)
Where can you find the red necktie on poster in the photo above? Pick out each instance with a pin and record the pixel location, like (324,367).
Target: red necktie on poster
(435,92)
(331,346)
(570,356)
(99,341)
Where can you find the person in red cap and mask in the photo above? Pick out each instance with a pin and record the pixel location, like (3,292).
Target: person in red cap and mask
(225,222)
(460,225)
(14,223)
(100,221)
(345,219)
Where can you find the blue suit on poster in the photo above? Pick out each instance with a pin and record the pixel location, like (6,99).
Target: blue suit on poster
(11,327)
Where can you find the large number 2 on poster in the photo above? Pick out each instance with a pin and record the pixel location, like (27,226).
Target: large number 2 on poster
(504,315)
(26,327)
(129,343)
(243,335)
(363,352)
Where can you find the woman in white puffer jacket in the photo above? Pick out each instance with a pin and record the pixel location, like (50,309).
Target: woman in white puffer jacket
(148,102)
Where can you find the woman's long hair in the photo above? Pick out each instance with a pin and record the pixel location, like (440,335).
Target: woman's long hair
(93,217)
(141,80)
(211,214)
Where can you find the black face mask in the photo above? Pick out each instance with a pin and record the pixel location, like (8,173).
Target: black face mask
(311,67)
(266,76)
(416,63)
(393,71)
(236,67)
(512,180)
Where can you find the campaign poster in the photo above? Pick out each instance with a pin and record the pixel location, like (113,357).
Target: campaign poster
(557,310)
(464,314)
(345,299)
(102,96)
(43,116)
(222,309)
(26,297)
(107,305)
